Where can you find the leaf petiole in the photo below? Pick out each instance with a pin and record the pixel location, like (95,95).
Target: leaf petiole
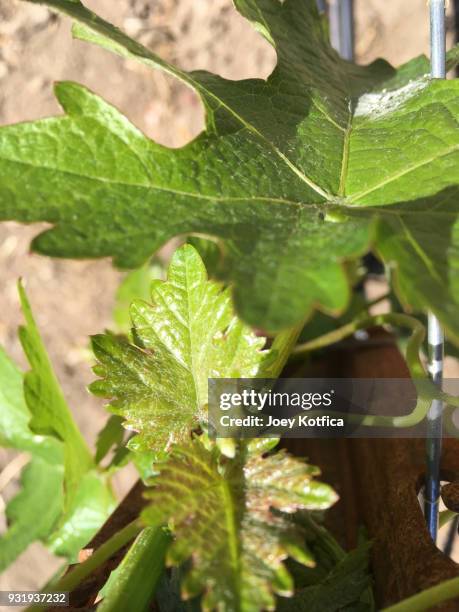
(70,581)
(137,576)
(427,391)
(425,600)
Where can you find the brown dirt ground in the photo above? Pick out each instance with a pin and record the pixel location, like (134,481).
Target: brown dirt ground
(72,300)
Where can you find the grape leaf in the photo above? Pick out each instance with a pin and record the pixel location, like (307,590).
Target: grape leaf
(63,500)
(188,334)
(228,516)
(297,173)
(42,478)
(45,400)
(87,498)
(33,513)
(340,590)
(111,435)
(340,581)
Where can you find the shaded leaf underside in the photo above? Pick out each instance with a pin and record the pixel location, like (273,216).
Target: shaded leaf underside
(319,163)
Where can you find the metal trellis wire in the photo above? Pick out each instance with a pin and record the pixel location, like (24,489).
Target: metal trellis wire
(435,332)
(341,13)
(342,38)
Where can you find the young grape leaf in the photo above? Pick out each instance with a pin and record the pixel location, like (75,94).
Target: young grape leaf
(342,589)
(42,478)
(87,500)
(297,173)
(63,500)
(48,408)
(188,334)
(229,517)
(340,581)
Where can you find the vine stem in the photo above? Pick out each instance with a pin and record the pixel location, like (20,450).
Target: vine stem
(396,319)
(70,581)
(283,346)
(427,390)
(136,578)
(425,600)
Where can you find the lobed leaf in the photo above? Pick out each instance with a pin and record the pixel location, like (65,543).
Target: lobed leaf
(50,414)
(41,480)
(34,512)
(230,517)
(344,588)
(62,500)
(340,581)
(297,174)
(186,335)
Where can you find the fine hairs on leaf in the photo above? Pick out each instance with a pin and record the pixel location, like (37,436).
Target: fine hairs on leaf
(231,517)
(188,333)
(296,174)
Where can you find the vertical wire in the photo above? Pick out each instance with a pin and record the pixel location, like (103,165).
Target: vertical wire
(342,27)
(438,39)
(435,332)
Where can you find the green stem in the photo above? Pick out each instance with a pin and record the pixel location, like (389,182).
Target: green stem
(364,322)
(133,584)
(285,345)
(282,346)
(425,600)
(427,391)
(70,581)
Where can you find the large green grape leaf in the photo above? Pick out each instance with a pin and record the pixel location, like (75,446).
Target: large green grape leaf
(319,163)
(189,333)
(230,518)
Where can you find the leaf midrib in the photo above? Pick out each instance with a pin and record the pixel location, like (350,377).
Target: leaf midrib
(190,321)
(97,25)
(149,186)
(231,529)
